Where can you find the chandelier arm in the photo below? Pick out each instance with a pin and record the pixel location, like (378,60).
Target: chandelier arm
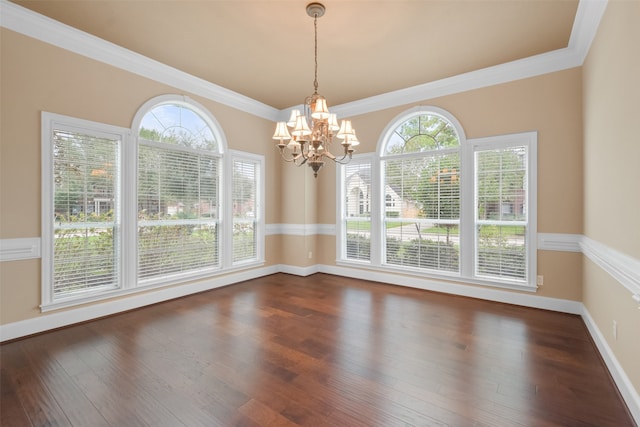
(342,160)
(292,159)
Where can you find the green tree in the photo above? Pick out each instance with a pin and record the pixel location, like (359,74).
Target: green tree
(439,191)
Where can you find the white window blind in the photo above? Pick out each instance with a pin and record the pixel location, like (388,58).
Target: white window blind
(245,178)
(86,212)
(356,216)
(501,212)
(178,209)
(422,211)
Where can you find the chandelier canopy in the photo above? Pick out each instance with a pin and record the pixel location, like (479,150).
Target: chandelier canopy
(314,129)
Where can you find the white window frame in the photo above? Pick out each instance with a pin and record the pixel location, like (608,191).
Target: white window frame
(127,183)
(220,152)
(528,140)
(227,257)
(341,213)
(468,242)
(50,122)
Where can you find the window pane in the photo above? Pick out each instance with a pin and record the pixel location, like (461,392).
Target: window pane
(419,244)
(423,187)
(501,184)
(245,181)
(177,211)
(176,246)
(357,211)
(422,133)
(501,213)
(85,212)
(502,251)
(358,239)
(177,125)
(422,211)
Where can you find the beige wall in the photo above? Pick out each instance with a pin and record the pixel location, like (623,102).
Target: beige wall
(612,174)
(38,77)
(551,105)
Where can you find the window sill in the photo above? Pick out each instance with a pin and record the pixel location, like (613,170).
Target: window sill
(453,277)
(163,283)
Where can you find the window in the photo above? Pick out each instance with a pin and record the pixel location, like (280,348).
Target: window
(124,209)
(502,197)
(178,193)
(355,220)
(247,213)
(421,169)
(443,206)
(82,202)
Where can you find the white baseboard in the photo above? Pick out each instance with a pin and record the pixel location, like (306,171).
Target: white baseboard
(627,390)
(480,292)
(298,271)
(85,313)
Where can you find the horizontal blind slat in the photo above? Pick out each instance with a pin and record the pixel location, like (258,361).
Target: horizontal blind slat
(85,204)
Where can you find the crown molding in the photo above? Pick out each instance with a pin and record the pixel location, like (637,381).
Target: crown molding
(585,26)
(47,30)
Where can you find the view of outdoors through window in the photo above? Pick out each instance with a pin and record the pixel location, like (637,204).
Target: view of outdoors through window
(85,216)
(421,202)
(178,186)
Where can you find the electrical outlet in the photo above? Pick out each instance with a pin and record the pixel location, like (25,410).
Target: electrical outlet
(615,330)
(540,280)
(310,254)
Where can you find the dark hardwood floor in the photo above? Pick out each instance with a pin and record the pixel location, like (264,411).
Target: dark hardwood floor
(317,351)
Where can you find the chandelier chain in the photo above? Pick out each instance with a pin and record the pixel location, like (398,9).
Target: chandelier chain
(315,53)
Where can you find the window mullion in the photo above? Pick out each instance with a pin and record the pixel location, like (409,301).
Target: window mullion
(378,204)
(129,212)
(468,206)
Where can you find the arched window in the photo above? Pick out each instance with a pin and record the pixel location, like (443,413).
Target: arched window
(178,199)
(445,206)
(161,203)
(421,167)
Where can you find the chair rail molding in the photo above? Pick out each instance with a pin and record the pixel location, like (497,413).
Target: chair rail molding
(19,249)
(624,268)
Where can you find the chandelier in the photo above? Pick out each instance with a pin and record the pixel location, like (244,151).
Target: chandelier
(314,128)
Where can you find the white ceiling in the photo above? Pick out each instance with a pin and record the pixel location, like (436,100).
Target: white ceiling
(264,49)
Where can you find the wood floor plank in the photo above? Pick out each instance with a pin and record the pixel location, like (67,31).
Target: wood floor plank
(323,350)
